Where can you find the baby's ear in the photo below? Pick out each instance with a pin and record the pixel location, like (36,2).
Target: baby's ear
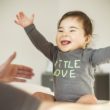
(88,39)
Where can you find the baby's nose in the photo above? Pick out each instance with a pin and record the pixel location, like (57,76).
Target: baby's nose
(65,34)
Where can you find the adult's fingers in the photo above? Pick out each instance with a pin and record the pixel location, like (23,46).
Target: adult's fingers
(18,80)
(23,67)
(24,75)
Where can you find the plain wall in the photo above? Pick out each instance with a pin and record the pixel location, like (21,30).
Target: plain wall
(47,13)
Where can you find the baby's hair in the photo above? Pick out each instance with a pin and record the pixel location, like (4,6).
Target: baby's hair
(87,24)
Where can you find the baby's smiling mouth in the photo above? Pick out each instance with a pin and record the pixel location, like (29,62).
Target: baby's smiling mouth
(65,42)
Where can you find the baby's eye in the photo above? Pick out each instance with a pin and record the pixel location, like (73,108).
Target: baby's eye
(60,30)
(72,30)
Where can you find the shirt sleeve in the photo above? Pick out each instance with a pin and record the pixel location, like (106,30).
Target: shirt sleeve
(100,56)
(39,41)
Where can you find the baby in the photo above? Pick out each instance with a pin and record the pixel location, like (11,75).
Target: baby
(73,62)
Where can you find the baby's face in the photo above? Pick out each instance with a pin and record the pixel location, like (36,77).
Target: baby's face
(70,35)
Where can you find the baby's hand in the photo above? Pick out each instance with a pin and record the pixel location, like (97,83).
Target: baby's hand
(23,20)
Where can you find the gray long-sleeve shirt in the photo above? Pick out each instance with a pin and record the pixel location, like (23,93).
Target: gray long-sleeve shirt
(73,72)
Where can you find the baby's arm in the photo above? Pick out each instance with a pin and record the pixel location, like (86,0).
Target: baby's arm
(36,37)
(100,56)
(39,41)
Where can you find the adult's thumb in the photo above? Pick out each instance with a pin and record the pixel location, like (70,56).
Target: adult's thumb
(10,59)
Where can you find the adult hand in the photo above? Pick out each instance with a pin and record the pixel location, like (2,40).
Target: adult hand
(14,72)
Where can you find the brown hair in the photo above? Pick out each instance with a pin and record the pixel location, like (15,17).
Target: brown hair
(87,24)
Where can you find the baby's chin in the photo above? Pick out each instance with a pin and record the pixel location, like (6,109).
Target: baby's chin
(64,50)
(67,49)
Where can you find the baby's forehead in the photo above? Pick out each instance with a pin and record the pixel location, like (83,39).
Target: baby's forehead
(72,19)
(71,22)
